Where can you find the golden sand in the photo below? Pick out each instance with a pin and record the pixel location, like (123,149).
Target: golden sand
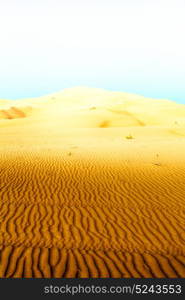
(92,184)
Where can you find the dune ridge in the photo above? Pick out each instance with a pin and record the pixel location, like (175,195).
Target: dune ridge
(78,198)
(90,108)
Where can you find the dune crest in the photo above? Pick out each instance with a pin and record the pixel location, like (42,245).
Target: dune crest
(74,108)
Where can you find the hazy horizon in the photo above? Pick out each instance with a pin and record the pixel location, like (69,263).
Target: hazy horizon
(91,87)
(119,45)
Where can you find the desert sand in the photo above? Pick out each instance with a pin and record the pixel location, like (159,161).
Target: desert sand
(92,184)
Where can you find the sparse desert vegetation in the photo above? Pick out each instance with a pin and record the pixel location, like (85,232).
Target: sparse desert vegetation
(129,137)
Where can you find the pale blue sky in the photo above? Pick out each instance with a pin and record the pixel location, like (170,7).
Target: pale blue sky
(135,46)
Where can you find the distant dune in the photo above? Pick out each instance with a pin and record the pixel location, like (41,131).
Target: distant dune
(92,185)
(91,108)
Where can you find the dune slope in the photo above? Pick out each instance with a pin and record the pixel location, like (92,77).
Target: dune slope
(92,185)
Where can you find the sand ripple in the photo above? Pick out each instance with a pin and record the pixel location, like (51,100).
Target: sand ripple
(64,216)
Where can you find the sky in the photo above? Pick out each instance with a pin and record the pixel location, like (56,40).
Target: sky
(134,46)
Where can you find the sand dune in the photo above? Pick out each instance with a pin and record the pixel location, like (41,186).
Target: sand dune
(15,112)
(91,108)
(92,185)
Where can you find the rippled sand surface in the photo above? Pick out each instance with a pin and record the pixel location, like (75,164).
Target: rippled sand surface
(92,184)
